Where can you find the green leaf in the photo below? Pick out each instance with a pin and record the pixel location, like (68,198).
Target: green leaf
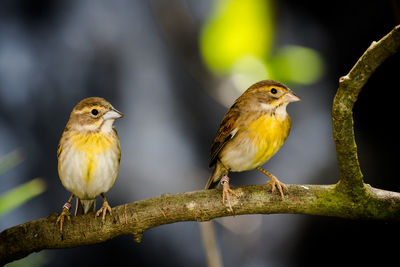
(19,195)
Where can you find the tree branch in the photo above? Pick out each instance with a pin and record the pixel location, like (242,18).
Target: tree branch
(137,217)
(350,198)
(351,178)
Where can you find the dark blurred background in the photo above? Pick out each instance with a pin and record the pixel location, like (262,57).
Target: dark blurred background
(173,68)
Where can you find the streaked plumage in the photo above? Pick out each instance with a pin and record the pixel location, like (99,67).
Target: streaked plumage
(252,131)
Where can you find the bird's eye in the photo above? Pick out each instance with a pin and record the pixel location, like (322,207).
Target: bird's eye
(274,90)
(94,112)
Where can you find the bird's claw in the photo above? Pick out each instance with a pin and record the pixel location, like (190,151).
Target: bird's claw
(276,183)
(225,192)
(103,210)
(64,213)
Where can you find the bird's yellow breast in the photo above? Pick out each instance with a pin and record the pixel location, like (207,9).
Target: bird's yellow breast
(92,145)
(268,133)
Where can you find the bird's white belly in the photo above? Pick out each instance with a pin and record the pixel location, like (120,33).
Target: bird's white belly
(88,176)
(239,157)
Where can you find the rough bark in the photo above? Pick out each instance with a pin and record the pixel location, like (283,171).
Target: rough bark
(350,86)
(135,218)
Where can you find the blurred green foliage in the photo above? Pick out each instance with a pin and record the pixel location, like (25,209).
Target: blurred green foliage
(297,64)
(236,29)
(22,193)
(10,160)
(237,39)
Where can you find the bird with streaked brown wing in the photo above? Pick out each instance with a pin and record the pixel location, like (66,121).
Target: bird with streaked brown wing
(252,131)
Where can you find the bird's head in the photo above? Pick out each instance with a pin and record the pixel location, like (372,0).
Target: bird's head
(93,114)
(271,96)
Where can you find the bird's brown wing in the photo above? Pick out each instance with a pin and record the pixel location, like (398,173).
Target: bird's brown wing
(226,131)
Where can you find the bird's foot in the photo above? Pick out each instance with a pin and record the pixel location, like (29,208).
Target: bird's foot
(103,210)
(276,183)
(225,192)
(64,213)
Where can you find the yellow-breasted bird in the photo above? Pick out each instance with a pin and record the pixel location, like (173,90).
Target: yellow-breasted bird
(252,131)
(88,156)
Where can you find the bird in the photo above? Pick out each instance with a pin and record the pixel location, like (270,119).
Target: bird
(251,132)
(88,155)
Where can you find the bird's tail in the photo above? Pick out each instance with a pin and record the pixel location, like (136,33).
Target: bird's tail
(84,206)
(216,175)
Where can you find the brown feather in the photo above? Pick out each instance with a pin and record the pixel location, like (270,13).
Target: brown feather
(216,175)
(224,134)
(247,105)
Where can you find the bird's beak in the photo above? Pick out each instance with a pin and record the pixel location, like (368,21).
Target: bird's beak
(112,114)
(291,97)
